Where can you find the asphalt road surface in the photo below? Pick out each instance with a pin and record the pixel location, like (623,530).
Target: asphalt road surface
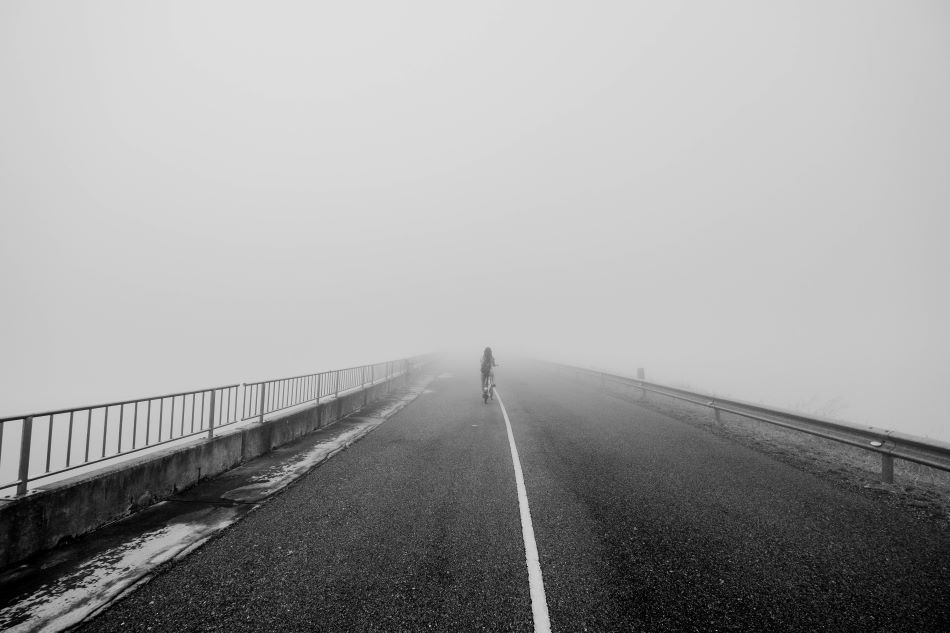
(642,523)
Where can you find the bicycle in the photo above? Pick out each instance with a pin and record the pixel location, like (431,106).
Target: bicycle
(488,386)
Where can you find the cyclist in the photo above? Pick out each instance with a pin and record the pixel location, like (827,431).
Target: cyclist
(488,362)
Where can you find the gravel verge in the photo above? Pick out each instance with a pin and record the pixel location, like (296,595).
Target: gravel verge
(918,489)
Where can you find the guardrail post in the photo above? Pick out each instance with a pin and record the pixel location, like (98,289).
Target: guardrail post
(887,468)
(26,439)
(336,387)
(211,416)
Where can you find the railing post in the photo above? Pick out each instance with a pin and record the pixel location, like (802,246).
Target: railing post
(319,383)
(336,386)
(26,439)
(211,416)
(263,398)
(887,468)
(365,390)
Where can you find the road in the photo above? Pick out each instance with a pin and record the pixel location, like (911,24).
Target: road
(642,523)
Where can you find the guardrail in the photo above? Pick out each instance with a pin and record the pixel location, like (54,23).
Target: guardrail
(890,445)
(53,442)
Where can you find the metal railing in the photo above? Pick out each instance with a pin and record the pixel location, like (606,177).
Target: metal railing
(53,442)
(888,444)
(269,396)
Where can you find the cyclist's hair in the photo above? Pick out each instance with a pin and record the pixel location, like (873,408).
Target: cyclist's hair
(487,352)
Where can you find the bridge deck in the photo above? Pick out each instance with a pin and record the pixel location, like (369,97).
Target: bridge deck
(641,523)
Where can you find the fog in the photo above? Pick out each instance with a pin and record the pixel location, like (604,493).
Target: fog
(747,198)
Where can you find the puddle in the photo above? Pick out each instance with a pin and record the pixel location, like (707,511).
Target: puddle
(97,582)
(267,483)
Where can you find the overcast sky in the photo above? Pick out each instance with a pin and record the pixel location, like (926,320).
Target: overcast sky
(746,197)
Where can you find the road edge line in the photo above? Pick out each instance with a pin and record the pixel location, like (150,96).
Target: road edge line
(539,604)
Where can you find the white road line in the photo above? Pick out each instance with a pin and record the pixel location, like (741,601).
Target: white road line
(539,605)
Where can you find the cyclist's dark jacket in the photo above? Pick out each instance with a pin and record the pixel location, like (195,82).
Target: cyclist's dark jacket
(488,362)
